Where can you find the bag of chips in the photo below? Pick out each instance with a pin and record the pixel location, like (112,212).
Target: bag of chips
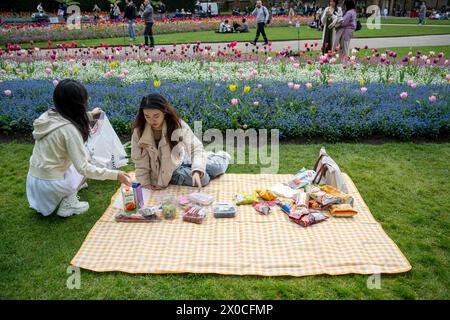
(345,198)
(266,195)
(302,178)
(326,199)
(262,207)
(307,217)
(241,199)
(343,210)
(194,214)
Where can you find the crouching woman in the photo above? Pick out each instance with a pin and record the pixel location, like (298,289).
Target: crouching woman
(59,164)
(166,151)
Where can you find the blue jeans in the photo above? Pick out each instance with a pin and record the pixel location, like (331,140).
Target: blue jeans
(131,28)
(216,164)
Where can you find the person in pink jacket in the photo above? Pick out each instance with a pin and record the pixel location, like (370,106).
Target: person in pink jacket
(345,30)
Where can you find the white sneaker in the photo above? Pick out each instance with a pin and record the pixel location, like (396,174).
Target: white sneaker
(83,186)
(71,205)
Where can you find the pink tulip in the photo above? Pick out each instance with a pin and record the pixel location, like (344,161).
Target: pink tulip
(234,101)
(126,72)
(409,83)
(308,85)
(48,71)
(296,65)
(212,70)
(108,74)
(447,77)
(148,60)
(296,86)
(7,92)
(121,76)
(403,95)
(317,73)
(363,90)
(432,99)
(330,81)
(290,85)
(55,83)
(413,86)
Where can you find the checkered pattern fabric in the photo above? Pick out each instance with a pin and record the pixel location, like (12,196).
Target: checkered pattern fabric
(249,244)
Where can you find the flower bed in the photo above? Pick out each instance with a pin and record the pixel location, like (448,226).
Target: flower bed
(23,33)
(340,111)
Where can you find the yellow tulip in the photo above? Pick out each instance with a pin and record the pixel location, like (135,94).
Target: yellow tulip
(246,89)
(361,82)
(233,87)
(156,83)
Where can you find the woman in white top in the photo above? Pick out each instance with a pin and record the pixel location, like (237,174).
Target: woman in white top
(331,17)
(59,164)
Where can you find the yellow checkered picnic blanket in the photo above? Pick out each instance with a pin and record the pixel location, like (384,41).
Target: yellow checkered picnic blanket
(249,244)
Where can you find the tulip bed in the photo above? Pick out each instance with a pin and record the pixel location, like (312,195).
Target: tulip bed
(306,96)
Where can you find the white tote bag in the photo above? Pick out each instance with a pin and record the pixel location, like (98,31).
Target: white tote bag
(104,145)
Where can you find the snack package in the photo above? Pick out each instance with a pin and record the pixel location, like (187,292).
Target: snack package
(313,204)
(262,207)
(184,202)
(200,198)
(266,194)
(194,214)
(169,209)
(152,214)
(130,205)
(345,198)
(307,217)
(282,190)
(302,178)
(224,210)
(311,188)
(283,206)
(241,199)
(343,210)
(326,199)
(301,199)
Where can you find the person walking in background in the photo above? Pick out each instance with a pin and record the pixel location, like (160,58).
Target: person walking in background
(262,18)
(422,13)
(385,12)
(96,11)
(130,14)
(148,18)
(345,30)
(330,18)
(291,14)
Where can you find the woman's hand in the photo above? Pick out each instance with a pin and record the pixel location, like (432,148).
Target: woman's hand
(124,178)
(196,181)
(96,113)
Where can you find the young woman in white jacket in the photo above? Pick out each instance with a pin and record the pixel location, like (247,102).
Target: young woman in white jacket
(331,18)
(166,151)
(59,164)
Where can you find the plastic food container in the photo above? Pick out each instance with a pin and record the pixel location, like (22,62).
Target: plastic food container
(200,198)
(194,214)
(224,210)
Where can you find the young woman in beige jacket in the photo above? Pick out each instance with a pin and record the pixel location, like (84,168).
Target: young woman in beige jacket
(166,151)
(59,164)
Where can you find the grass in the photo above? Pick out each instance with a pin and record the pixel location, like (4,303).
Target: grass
(274,34)
(396,20)
(405,185)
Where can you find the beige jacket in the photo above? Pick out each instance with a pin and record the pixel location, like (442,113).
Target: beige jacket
(156,164)
(58,145)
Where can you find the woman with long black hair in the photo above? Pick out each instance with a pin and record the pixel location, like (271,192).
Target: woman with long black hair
(59,164)
(165,150)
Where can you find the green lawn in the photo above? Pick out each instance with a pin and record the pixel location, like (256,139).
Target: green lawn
(405,186)
(274,34)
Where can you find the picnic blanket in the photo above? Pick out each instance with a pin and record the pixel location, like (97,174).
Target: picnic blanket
(249,244)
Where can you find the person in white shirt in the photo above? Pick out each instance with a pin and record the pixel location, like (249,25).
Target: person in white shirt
(59,164)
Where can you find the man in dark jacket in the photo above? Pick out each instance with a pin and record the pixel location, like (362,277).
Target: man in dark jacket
(130,14)
(148,18)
